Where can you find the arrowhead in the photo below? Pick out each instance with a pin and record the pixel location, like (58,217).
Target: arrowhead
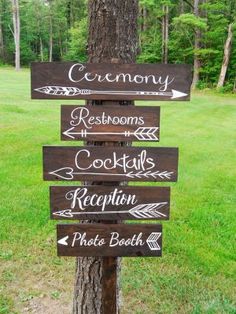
(63,241)
(66,173)
(68,133)
(64,213)
(43,90)
(177,94)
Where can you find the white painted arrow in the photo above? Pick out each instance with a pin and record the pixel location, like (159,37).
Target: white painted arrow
(68,173)
(63,241)
(142,133)
(142,211)
(177,94)
(69,91)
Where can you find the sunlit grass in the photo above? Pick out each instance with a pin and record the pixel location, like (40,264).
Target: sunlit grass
(197,271)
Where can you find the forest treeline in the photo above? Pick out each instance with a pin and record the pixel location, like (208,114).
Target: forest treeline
(197,32)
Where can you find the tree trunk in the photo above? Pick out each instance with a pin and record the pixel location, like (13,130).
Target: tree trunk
(165,33)
(181,7)
(112,38)
(197,46)
(225,62)
(1,36)
(144,18)
(41,49)
(143,22)
(50,36)
(16,32)
(60,45)
(72,18)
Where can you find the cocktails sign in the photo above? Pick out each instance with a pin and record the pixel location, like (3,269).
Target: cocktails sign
(73,163)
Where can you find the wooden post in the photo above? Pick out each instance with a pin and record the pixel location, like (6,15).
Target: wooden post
(110,286)
(112,38)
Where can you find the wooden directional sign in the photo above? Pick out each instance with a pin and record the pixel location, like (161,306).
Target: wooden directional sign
(69,80)
(109,240)
(109,203)
(110,123)
(73,163)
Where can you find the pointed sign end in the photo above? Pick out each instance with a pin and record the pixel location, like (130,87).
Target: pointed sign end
(177,94)
(63,241)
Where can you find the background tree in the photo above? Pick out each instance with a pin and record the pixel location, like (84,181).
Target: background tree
(197,46)
(1,32)
(165,31)
(16,32)
(183,31)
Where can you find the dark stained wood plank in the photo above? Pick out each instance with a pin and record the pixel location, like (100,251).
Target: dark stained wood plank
(69,80)
(110,123)
(109,239)
(109,202)
(73,163)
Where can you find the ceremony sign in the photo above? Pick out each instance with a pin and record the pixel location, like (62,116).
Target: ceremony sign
(69,80)
(110,123)
(98,163)
(109,203)
(109,240)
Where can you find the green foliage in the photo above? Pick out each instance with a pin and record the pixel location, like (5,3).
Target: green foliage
(151,49)
(227,88)
(77,42)
(69,33)
(189,21)
(202,85)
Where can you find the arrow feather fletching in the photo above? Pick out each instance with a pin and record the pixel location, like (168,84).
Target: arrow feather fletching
(148,210)
(152,241)
(146,133)
(62,91)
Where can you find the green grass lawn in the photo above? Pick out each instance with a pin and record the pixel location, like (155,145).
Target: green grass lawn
(197,271)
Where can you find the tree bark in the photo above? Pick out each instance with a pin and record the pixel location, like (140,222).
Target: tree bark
(226,58)
(1,35)
(143,14)
(197,46)
(112,38)
(165,33)
(50,36)
(16,32)
(41,49)
(181,7)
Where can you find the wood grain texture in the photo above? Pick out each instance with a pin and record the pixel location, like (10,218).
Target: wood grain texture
(109,240)
(68,80)
(109,203)
(110,123)
(110,163)
(109,284)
